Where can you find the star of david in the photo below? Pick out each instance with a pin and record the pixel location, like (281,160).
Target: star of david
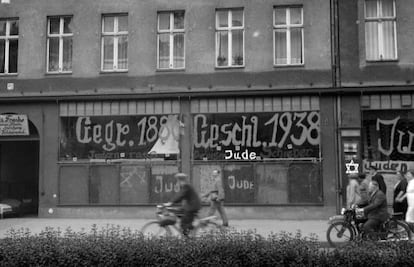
(351,167)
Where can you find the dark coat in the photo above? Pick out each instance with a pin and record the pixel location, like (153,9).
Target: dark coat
(400,206)
(380,180)
(190,200)
(377,207)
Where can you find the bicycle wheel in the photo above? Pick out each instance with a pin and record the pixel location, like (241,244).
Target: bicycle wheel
(398,231)
(154,228)
(205,227)
(339,234)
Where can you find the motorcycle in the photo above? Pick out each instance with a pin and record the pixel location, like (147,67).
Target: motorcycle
(347,227)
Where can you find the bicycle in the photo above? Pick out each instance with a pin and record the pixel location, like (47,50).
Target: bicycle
(167,223)
(347,227)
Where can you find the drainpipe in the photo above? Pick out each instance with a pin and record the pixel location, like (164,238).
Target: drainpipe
(336,83)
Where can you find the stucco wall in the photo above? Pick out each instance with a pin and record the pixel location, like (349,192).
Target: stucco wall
(200,72)
(355,70)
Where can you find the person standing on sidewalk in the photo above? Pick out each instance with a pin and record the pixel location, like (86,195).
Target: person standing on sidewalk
(216,197)
(409,217)
(375,176)
(400,204)
(353,195)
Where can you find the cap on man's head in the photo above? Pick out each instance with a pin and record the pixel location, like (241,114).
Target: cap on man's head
(181,176)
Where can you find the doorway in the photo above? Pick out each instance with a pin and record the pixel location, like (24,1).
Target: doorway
(19,174)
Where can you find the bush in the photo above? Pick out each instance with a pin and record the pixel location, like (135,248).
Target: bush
(113,246)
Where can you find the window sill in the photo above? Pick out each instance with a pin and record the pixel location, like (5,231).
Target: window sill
(288,66)
(170,70)
(58,73)
(2,75)
(113,71)
(229,67)
(381,61)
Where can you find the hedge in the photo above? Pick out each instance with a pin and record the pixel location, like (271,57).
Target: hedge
(113,246)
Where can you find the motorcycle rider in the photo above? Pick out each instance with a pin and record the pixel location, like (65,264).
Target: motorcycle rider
(376,210)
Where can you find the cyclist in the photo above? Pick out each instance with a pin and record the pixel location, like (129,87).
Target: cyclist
(190,200)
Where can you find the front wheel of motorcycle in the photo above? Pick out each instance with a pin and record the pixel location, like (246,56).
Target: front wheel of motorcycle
(339,234)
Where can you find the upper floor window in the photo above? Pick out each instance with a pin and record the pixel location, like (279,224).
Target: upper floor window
(229,37)
(170,35)
(380,30)
(59,44)
(9,43)
(288,35)
(114,43)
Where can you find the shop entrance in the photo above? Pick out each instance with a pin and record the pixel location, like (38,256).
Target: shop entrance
(19,175)
(19,164)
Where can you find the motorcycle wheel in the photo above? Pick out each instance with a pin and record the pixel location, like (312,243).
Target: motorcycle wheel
(398,231)
(339,234)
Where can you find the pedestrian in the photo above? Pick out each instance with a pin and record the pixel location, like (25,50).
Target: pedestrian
(353,195)
(190,200)
(375,176)
(400,204)
(409,217)
(216,197)
(363,189)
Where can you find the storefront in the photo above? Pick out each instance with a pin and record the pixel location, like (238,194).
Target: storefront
(388,135)
(267,149)
(121,156)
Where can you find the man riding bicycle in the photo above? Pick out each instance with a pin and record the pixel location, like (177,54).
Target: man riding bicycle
(376,210)
(190,200)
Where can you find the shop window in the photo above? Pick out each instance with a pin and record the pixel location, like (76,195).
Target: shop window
(114,43)
(380,30)
(73,184)
(59,44)
(230,38)
(170,35)
(257,183)
(133,184)
(104,184)
(9,43)
(288,35)
(117,184)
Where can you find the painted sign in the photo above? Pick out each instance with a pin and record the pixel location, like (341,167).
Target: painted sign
(388,135)
(114,137)
(247,136)
(13,125)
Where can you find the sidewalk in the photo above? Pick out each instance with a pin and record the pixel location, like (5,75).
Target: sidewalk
(316,228)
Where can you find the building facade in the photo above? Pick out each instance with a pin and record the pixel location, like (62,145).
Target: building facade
(376,70)
(102,102)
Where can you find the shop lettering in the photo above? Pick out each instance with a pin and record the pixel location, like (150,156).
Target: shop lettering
(239,184)
(396,138)
(163,186)
(295,127)
(270,152)
(111,133)
(246,155)
(387,166)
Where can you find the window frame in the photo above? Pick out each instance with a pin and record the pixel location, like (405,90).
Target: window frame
(288,26)
(7,37)
(229,29)
(61,35)
(379,19)
(116,34)
(171,31)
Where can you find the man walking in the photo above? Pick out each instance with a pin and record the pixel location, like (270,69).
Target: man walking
(216,195)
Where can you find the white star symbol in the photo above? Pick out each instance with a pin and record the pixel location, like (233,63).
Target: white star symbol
(351,167)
